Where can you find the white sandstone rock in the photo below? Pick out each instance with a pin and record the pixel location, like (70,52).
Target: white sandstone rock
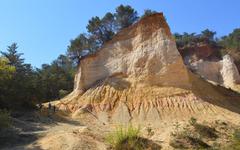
(229,72)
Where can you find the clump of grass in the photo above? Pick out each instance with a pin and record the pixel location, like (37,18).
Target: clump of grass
(128,138)
(236,135)
(5,120)
(236,138)
(235,143)
(125,138)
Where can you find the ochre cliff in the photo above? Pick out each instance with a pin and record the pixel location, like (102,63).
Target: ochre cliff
(206,61)
(139,77)
(144,54)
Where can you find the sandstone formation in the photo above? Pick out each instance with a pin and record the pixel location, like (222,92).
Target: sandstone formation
(223,72)
(229,72)
(209,70)
(139,77)
(143,54)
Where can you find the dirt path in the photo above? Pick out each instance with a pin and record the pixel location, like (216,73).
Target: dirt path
(65,134)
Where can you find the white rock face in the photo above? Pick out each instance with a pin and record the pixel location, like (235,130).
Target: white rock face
(209,70)
(223,72)
(144,54)
(229,72)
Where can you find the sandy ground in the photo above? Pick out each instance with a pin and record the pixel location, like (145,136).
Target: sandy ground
(83,133)
(59,134)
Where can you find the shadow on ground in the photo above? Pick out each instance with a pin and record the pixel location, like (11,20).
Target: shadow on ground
(28,127)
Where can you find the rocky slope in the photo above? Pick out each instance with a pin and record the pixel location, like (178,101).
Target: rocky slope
(139,77)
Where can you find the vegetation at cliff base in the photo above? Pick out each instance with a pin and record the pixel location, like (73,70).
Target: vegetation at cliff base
(129,138)
(22,86)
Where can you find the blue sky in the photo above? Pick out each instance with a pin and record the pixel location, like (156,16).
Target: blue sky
(43,28)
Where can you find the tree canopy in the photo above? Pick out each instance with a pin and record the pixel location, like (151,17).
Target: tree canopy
(148,12)
(231,45)
(21,86)
(13,56)
(192,39)
(100,30)
(125,16)
(6,70)
(78,47)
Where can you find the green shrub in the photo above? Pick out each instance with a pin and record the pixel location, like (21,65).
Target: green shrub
(194,136)
(205,131)
(5,120)
(235,144)
(192,121)
(187,141)
(236,135)
(125,138)
(63,93)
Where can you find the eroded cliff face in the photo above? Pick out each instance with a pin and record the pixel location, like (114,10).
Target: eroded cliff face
(139,77)
(229,72)
(144,54)
(222,72)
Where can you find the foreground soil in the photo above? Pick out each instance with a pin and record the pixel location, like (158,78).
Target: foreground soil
(58,131)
